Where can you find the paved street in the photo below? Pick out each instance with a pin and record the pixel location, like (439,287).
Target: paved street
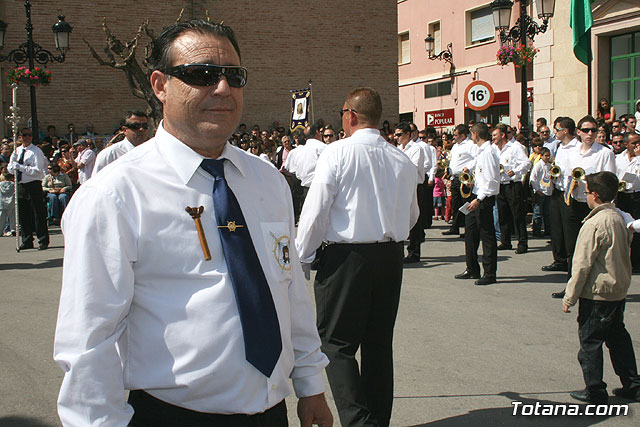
(463,353)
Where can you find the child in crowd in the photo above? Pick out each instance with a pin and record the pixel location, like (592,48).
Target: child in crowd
(600,279)
(7,201)
(542,189)
(536,145)
(439,195)
(448,215)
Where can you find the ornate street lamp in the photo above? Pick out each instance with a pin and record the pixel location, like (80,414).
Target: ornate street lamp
(447,55)
(525,28)
(32,52)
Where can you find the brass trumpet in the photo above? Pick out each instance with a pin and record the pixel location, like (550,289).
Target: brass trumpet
(465,180)
(442,164)
(578,174)
(501,169)
(555,171)
(622,185)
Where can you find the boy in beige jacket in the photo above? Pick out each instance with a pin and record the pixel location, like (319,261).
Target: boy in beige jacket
(600,278)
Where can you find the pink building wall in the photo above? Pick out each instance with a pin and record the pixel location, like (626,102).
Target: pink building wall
(477,62)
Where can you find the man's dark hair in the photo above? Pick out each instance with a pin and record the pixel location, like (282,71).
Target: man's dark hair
(132,113)
(557,120)
(54,167)
(605,184)
(587,119)
(413,127)
(482,130)
(627,135)
(568,124)
(462,130)
(404,127)
(502,128)
(542,120)
(311,131)
(623,135)
(162,56)
(367,103)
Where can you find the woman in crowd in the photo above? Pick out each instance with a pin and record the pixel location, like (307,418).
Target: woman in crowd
(606,111)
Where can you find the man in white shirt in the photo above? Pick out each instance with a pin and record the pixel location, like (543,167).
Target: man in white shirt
(29,165)
(463,157)
(548,141)
(511,208)
(591,157)
(362,204)
(134,127)
(85,160)
(402,135)
(628,170)
(430,168)
(302,161)
(152,301)
(479,221)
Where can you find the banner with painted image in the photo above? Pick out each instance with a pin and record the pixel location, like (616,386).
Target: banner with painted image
(300,109)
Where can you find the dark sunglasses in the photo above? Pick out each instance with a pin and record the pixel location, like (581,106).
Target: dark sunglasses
(423,137)
(588,130)
(209,74)
(344,110)
(398,134)
(328,135)
(136,125)
(26,134)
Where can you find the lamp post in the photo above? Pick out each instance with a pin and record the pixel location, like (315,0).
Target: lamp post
(525,28)
(447,55)
(32,52)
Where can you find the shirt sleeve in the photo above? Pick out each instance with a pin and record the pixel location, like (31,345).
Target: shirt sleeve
(534,178)
(585,253)
(97,289)
(522,163)
(491,171)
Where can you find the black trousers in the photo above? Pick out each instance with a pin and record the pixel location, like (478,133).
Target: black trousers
(576,212)
(32,210)
(299,193)
(426,206)
(456,202)
(153,412)
(357,290)
(416,234)
(559,210)
(479,228)
(630,203)
(603,322)
(511,212)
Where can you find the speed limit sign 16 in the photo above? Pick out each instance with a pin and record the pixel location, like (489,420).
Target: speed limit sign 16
(478,95)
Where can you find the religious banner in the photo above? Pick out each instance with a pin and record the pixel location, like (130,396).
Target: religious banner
(300,109)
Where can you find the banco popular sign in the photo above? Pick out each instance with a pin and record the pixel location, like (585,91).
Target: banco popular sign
(440,118)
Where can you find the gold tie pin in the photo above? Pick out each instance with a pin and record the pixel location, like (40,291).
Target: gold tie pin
(231,226)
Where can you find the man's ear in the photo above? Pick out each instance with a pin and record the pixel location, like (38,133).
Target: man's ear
(158,82)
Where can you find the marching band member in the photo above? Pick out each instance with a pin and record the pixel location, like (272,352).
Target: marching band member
(628,199)
(463,156)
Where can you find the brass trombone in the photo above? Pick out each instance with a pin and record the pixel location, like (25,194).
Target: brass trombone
(578,174)
(465,180)
(622,185)
(555,171)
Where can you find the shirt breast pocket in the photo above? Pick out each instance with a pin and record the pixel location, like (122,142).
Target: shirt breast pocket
(279,244)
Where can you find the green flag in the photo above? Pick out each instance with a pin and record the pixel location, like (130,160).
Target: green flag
(580,21)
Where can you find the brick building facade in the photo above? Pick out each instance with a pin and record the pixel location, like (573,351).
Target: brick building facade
(338,45)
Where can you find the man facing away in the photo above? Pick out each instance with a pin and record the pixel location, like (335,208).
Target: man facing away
(361,204)
(179,282)
(600,278)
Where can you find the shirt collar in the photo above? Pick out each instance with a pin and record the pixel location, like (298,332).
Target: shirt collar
(597,209)
(485,145)
(184,160)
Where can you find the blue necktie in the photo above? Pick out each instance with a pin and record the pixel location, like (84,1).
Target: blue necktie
(258,316)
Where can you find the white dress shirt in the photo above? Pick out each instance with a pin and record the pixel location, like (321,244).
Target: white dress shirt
(463,155)
(416,155)
(541,175)
(111,153)
(141,308)
(34,165)
(596,159)
(302,160)
(486,177)
(561,160)
(87,158)
(430,158)
(512,158)
(364,192)
(625,165)
(552,145)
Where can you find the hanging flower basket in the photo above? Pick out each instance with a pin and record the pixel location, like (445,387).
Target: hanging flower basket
(23,75)
(520,56)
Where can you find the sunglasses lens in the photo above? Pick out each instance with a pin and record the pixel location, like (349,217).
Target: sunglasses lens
(209,74)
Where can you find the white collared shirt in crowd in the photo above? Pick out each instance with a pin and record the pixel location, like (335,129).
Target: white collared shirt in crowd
(302,161)
(141,308)
(552,145)
(364,192)
(512,158)
(430,158)
(596,159)
(624,165)
(486,177)
(111,154)
(463,155)
(540,178)
(416,155)
(34,164)
(561,160)
(87,158)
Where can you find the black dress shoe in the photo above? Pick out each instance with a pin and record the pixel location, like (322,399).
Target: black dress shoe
(555,266)
(461,235)
(502,247)
(43,247)
(450,233)
(410,260)
(557,294)
(26,245)
(522,250)
(586,396)
(627,393)
(467,275)
(485,280)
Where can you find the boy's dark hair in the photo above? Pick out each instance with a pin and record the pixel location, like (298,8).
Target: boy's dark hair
(605,184)
(568,124)
(587,119)
(544,150)
(482,130)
